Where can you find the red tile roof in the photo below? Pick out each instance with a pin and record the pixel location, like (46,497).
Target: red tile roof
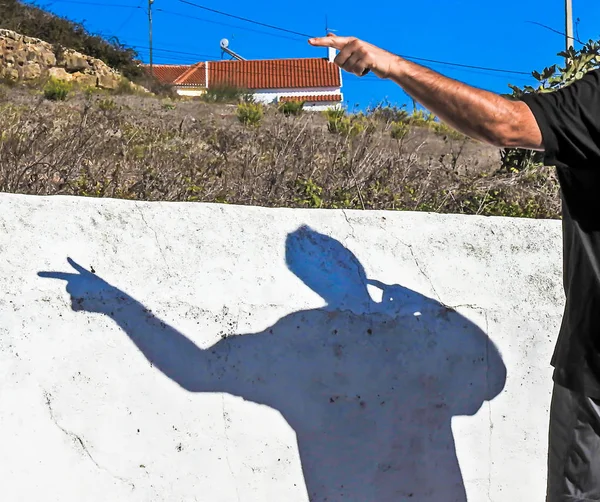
(253,75)
(274,74)
(182,75)
(196,76)
(167,73)
(313,98)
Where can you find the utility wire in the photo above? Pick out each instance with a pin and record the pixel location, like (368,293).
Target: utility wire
(210,21)
(555,31)
(129,18)
(124,6)
(273,27)
(145,47)
(311,36)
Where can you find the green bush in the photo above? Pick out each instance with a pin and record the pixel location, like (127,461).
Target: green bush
(227,94)
(421,118)
(291,107)
(577,64)
(107,104)
(387,113)
(399,130)
(250,114)
(338,122)
(56,90)
(308,193)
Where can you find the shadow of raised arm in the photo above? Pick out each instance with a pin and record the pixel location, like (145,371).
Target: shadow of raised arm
(165,347)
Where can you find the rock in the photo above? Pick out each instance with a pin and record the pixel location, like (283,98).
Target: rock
(109,81)
(20,56)
(10,74)
(60,74)
(46,57)
(85,79)
(139,88)
(30,58)
(8,34)
(31,71)
(75,62)
(7,59)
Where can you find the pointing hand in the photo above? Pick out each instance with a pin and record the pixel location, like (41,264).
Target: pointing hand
(358,57)
(88,291)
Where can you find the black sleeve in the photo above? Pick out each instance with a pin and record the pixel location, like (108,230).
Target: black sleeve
(569,120)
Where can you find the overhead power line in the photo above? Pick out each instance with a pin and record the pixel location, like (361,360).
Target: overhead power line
(554,30)
(273,27)
(128,18)
(211,21)
(195,54)
(123,6)
(500,70)
(297,33)
(278,28)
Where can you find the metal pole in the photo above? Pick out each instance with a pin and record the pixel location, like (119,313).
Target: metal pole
(569,24)
(150,2)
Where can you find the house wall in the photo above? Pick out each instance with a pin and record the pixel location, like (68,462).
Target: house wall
(190,91)
(272,96)
(320,107)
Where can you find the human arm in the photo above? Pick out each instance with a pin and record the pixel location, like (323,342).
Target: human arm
(167,349)
(562,123)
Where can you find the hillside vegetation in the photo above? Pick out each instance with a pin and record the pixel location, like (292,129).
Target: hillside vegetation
(226,148)
(135,147)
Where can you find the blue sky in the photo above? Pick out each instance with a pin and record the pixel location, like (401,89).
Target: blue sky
(472,32)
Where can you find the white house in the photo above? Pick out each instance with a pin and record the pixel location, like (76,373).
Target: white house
(316,81)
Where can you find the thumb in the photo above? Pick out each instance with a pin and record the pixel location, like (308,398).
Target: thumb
(77,267)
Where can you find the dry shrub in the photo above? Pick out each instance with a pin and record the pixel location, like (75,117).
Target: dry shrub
(136,148)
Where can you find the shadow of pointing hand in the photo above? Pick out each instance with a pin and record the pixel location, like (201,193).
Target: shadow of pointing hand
(88,291)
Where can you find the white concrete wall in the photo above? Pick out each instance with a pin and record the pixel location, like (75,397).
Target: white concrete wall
(224,354)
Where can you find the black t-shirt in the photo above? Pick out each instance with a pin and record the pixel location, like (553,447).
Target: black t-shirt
(569,119)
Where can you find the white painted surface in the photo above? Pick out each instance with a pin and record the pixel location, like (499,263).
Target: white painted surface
(190,91)
(317,388)
(273,95)
(331,54)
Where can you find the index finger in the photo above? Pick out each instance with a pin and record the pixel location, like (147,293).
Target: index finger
(330,41)
(63,276)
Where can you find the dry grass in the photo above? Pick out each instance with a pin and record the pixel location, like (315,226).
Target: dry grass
(148,149)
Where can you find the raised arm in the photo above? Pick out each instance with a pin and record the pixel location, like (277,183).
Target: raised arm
(479,114)
(163,346)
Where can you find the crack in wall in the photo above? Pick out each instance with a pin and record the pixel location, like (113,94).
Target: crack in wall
(357,264)
(76,439)
(421,270)
(227,446)
(160,249)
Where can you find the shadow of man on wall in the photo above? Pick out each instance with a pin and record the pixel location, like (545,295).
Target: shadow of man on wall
(370,388)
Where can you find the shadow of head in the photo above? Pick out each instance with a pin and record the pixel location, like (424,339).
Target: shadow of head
(328,268)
